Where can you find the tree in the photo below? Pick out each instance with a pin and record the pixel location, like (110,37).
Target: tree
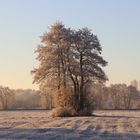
(51,74)
(6,97)
(122,96)
(87,62)
(130,96)
(119,93)
(99,96)
(26,99)
(69,62)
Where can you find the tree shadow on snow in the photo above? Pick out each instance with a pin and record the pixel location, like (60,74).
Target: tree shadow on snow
(63,134)
(114,116)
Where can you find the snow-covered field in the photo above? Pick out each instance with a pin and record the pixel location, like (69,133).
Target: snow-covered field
(105,125)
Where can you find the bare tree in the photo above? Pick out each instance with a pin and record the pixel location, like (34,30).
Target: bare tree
(129,97)
(6,97)
(122,96)
(116,93)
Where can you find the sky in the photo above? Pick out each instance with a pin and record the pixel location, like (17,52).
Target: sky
(115,22)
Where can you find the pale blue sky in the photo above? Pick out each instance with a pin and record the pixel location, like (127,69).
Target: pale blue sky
(115,22)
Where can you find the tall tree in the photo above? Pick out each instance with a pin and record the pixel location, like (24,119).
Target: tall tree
(69,62)
(88,61)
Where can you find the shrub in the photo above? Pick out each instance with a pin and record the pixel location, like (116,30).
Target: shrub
(63,112)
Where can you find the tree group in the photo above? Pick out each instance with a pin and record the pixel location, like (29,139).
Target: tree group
(70,62)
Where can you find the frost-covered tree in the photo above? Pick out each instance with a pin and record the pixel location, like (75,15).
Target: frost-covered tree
(130,96)
(122,96)
(70,61)
(52,73)
(6,97)
(87,63)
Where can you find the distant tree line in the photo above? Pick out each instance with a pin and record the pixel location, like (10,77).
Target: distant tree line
(116,96)
(19,99)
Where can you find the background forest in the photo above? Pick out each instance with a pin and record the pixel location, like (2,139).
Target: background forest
(117,96)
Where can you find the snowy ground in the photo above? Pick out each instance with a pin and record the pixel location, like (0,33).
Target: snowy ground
(105,125)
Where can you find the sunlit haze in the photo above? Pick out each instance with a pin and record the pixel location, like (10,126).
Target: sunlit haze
(115,22)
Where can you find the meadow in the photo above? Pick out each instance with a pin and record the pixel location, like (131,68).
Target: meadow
(38,124)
